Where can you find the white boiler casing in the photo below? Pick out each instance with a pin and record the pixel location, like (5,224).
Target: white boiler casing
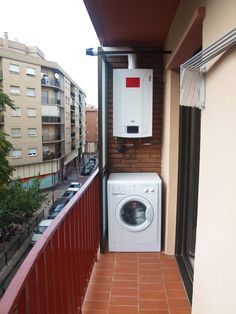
(132,102)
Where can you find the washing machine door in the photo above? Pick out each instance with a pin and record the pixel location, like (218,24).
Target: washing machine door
(134,213)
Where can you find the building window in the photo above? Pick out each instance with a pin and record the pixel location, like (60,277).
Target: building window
(14,68)
(32,152)
(30,71)
(15,112)
(44,97)
(16,132)
(32,132)
(16,153)
(31,92)
(14,90)
(31,112)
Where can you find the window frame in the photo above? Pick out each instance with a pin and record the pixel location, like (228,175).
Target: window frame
(16,156)
(13,71)
(30,74)
(14,112)
(16,136)
(32,134)
(32,89)
(31,116)
(14,87)
(29,155)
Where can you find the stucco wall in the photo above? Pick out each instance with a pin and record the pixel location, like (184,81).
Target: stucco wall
(214,277)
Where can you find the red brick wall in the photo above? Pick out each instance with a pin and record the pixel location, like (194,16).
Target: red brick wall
(144,154)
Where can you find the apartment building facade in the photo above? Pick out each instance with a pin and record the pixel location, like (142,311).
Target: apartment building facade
(91,129)
(47,126)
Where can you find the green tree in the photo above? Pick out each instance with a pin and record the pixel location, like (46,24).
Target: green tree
(18,203)
(6,169)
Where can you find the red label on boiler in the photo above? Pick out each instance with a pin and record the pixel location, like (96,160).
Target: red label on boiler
(132,82)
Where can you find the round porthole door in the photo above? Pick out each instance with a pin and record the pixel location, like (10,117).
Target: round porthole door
(134,213)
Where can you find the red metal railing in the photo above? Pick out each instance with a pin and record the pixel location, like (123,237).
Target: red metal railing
(54,276)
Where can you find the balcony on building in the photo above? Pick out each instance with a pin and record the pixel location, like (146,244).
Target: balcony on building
(1,75)
(52,101)
(51,79)
(51,155)
(52,138)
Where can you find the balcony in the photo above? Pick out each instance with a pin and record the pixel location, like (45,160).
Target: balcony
(72,93)
(51,120)
(72,134)
(63,265)
(72,147)
(72,107)
(72,121)
(52,101)
(51,156)
(52,138)
(51,82)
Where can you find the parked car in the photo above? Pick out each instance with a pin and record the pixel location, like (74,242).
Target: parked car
(87,169)
(74,186)
(69,194)
(57,206)
(39,230)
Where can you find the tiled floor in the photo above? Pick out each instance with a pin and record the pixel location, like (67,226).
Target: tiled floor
(145,283)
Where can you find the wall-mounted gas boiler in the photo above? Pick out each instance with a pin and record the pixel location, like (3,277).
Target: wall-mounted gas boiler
(132,102)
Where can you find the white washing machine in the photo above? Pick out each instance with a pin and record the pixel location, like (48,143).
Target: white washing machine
(134,212)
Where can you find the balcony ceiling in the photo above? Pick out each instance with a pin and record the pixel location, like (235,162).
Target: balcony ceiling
(132,23)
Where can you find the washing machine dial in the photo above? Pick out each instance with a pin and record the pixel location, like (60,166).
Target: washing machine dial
(151,190)
(146,190)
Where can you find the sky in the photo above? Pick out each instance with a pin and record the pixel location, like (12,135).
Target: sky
(62,30)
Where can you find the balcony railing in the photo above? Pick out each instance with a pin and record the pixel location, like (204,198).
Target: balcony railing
(52,101)
(72,134)
(72,147)
(51,82)
(51,119)
(54,276)
(51,138)
(52,155)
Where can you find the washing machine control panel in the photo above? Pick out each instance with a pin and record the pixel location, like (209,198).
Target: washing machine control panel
(133,189)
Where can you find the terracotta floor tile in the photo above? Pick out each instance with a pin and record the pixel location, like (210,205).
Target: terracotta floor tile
(100,286)
(100,279)
(96,295)
(174,284)
(150,279)
(125,284)
(170,277)
(136,283)
(149,255)
(94,311)
(180,311)
(123,300)
(150,272)
(153,305)
(117,291)
(149,260)
(149,265)
(152,295)
(176,294)
(153,312)
(98,305)
(125,277)
(125,270)
(114,309)
(178,304)
(151,286)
